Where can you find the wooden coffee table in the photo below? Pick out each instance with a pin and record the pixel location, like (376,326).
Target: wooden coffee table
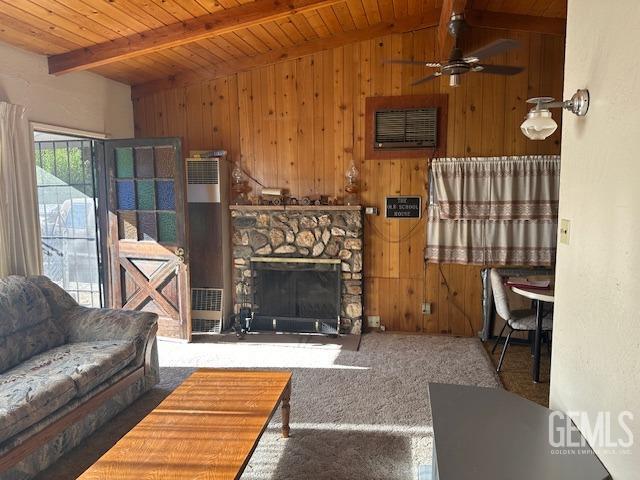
(207,428)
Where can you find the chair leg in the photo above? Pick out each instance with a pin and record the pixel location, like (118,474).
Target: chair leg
(493,350)
(547,339)
(504,350)
(531,339)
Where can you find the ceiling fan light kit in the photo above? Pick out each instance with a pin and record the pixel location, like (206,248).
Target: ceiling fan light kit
(460,63)
(539,124)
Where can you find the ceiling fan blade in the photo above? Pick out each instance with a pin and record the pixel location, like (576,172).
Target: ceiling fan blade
(415,62)
(494,48)
(426,79)
(498,69)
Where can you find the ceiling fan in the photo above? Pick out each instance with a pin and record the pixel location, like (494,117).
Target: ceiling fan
(460,63)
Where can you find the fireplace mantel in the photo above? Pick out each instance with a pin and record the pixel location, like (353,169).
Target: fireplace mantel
(293,208)
(319,232)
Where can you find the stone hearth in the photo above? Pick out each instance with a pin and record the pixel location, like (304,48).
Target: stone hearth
(334,232)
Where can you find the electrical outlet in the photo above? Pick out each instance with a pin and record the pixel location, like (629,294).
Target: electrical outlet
(373,321)
(426,308)
(371,210)
(565,228)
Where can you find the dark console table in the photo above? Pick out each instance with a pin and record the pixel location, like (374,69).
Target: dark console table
(489,433)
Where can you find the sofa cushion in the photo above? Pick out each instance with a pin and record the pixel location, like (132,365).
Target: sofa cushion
(26,398)
(88,364)
(22,305)
(26,324)
(59,300)
(26,343)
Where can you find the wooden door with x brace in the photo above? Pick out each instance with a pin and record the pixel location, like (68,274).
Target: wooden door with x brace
(146,231)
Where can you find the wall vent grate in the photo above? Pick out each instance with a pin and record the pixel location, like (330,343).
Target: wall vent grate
(201,325)
(203,171)
(406,128)
(206,310)
(207,299)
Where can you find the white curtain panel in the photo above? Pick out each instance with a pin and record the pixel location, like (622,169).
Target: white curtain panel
(497,188)
(494,210)
(20,251)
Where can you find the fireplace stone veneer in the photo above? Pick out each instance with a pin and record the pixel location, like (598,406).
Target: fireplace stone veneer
(334,232)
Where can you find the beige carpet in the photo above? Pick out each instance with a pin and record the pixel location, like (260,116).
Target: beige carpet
(354,414)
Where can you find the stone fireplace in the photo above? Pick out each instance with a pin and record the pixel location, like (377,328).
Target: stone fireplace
(308,258)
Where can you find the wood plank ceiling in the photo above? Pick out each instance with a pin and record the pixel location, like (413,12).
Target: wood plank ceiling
(225,36)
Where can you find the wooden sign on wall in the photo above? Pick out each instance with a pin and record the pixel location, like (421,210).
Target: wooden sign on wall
(403,207)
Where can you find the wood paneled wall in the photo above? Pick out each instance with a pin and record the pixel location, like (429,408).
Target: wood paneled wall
(299,123)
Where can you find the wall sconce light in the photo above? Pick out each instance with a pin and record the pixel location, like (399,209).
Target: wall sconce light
(539,124)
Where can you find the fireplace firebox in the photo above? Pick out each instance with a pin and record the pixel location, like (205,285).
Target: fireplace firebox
(296,294)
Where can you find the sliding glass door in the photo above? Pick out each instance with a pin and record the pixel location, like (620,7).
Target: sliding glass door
(67,197)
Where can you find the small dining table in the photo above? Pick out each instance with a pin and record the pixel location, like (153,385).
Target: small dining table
(540,296)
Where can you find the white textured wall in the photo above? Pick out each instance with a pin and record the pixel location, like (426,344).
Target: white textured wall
(596,338)
(80,100)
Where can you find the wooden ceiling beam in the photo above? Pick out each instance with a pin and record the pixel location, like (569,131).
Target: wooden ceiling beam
(217,23)
(400,25)
(510,21)
(449,7)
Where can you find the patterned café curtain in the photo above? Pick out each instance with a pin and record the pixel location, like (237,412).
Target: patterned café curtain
(493,210)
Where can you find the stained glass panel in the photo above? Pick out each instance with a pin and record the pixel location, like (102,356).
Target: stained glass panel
(166,195)
(147,226)
(165,162)
(127,225)
(124,162)
(167,227)
(144,162)
(126,195)
(146,194)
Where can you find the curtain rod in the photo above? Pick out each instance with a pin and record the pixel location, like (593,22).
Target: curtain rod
(478,159)
(48,128)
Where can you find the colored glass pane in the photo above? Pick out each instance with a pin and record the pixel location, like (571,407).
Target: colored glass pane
(165,162)
(146,194)
(127,225)
(144,162)
(124,162)
(166,195)
(147,227)
(167,227)
(126,195)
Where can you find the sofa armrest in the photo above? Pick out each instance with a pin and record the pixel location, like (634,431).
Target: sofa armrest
(82,324)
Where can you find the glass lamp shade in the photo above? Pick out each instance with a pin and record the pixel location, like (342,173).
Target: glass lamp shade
(539,124)
(352,174)
(237,174)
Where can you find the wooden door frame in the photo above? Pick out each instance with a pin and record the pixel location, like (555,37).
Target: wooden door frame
(103,218)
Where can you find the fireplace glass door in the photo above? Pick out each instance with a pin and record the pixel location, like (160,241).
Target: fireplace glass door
(296,296)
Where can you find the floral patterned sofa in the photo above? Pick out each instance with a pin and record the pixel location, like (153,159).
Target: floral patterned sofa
(64,371)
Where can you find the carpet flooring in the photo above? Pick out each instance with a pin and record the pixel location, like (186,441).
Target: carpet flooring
(354,414)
